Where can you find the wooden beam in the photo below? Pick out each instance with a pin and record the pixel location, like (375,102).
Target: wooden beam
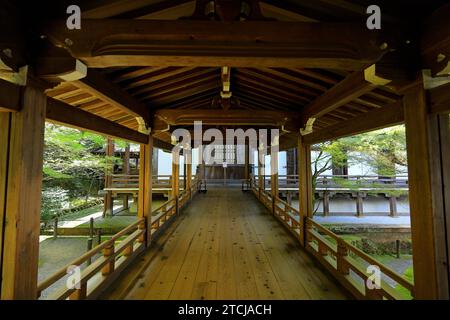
(172,117)
(20,203)
(420,195)
(163,145)
(353,86)
(98,85)
(145,187)
(440,99)
(120,42)
(9,96)
(60,112)
(380,118)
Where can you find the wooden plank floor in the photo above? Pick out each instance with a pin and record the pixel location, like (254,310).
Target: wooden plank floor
(226,246)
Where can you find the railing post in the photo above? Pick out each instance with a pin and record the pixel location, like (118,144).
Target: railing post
(129,250)
(342,253)
(393,206)
(108,252)
(79,294)
(326,203)
(307,227)
(142,226)
(373,293)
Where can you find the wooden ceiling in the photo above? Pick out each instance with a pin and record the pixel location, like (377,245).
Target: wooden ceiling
(252,89)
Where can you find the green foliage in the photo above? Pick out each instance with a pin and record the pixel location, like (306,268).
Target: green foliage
(380,150)
(53,200)
(72,164)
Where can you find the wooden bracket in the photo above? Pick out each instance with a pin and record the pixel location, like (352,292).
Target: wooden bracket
(430,82)
(308,127)
(143,127)
(8,74)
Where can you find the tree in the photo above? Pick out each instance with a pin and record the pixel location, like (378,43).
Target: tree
(381,150)
(72,171)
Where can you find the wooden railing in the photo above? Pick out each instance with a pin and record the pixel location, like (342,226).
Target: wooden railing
(110,259)
(163,214)
(350,265)
(288,215)
(345,182)
(345,261)
(132,181)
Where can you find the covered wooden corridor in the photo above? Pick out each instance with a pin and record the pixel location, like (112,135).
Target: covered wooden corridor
(226,245)
(314,71)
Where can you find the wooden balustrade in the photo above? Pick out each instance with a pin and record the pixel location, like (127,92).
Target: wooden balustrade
(350,265)
(325,182)
(288,215)
(110,259)
(345,261)
(132,181)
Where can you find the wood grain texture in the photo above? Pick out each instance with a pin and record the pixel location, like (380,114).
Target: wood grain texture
(217,250)
(23,198)
(420,194)
(145,185)
(5,123)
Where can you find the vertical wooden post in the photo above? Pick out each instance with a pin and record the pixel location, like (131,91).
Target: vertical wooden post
(175,178)
(274,174)
(126,170)
(107,253)
(359,205)
(439,127)
(145,187)
(305,186)
(326,203)
(247,161)
(108,200)
(21,153)
(393,206)
(424,239)
(188,172)
(261,182)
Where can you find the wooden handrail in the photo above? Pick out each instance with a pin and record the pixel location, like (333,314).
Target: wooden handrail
(346,262)
(80,260)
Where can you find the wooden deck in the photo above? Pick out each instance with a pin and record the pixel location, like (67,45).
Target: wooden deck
(226,246)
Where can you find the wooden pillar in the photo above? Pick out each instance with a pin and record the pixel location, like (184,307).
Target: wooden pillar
(126,170)
(175,177)
(21,154)
(155,161)
(274,176)
(108,207)
(145,187)
(246,161)
(188,171)
(291,161)
(305,186)
(393,206)
(439,127)
(359,205)
(261,182)
(326,203)
(425,243)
